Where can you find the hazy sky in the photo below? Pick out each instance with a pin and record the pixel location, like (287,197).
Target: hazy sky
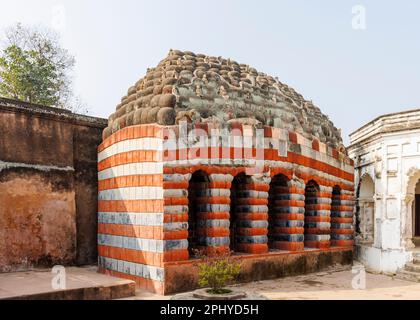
(352,75)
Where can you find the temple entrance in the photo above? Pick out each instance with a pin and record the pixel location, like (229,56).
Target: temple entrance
(366,209)
(416,216)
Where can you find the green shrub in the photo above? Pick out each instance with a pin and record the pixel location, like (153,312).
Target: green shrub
(218,271)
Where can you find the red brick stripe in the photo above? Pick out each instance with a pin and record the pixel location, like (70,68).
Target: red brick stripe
(145,232)
(141,206)
(130,255)
(132,132)
(130,157)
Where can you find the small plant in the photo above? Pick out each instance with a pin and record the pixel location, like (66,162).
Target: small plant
(217,271)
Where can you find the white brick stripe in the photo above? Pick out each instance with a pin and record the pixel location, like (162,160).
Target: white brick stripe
(132,193)
(131,169)
(135,219)
(140,219)
(176,209)
(134,269)
(175,193)
(141,244)
(131,145)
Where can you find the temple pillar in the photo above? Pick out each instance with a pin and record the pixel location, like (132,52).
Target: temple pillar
(175,216)
(251,208)
(213,214)
(317,216)
(342,230)
(287,216)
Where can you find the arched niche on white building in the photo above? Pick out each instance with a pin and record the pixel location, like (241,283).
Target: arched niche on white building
(366,209)
(410,218)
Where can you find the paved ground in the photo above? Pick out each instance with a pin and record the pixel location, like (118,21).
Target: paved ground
(325,286)
(335,286)
(331,284)
(81,283)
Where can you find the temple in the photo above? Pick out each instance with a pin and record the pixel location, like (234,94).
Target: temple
(386,152)
(206,154)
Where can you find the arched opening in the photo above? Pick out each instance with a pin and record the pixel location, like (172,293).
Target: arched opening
(365,210)
(416,216)
(409,216)
(197,189)
(278,209)
(237,192)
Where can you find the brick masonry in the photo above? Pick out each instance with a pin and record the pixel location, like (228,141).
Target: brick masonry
(48,186)
(289,195)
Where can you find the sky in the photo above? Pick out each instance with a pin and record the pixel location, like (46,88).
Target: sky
(353,69)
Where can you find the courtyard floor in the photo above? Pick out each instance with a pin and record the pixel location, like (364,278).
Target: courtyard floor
(81,283)
(328,285)
(86,283)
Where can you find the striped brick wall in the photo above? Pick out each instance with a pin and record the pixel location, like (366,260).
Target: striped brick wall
(287,214)
(342,229)
(251,209)
(279,149)
(176,215)
(213,205)
(132,235)
(317,216)
(153,209)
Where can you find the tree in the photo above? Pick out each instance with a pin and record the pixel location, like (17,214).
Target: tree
(36,69)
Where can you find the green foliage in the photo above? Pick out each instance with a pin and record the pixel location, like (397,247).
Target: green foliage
(218,271)
(34,68)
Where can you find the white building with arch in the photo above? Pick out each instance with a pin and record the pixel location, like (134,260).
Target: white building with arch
(386,154)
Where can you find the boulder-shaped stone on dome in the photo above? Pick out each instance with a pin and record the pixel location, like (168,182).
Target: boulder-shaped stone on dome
(198,88)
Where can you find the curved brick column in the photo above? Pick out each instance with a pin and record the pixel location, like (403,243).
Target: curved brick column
(317,217)
(175,219)
(342,230)
(287,214)
(251,209)
(213,199)
(132,235)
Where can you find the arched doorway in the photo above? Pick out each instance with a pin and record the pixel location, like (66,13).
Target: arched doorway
(365,210)
(416,216)
(197,189)
(410,219)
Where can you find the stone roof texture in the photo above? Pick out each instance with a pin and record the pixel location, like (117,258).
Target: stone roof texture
(200,88)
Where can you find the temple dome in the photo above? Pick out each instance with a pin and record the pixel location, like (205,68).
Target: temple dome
(201,88)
